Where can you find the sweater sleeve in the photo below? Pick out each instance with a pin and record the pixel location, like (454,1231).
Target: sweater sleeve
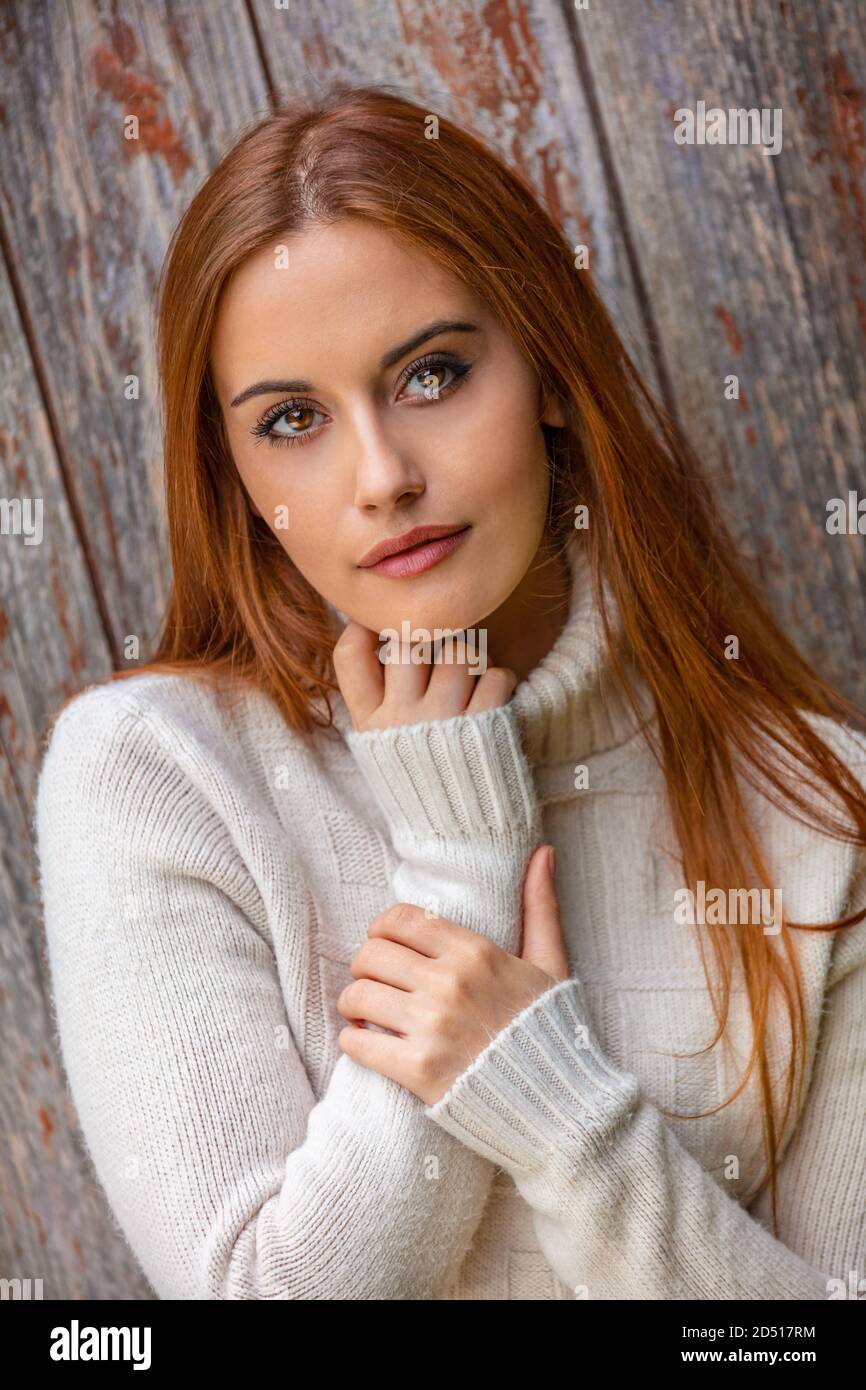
(622,1210)
(462,812)
(227,1178)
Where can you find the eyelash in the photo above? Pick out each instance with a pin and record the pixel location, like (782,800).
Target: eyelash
(262,428)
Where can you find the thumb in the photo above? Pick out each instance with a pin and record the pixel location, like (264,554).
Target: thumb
(543,943)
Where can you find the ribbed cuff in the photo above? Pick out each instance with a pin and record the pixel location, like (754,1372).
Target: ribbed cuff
(540,1090)
(462,776)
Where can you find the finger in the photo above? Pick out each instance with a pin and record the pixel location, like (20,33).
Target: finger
(543,944)
(405,680)
(452,680)
(379,1051)
(412,926)
(494,688)
(359,671)
(390,963)
(377,1003)
(449,691)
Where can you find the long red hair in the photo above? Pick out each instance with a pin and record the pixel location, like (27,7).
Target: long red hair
(239,609)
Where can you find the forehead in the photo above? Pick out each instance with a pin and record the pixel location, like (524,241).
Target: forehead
(330,298)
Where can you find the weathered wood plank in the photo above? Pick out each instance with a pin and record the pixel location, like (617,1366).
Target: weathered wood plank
(756,267)
(51,635)
(88,216)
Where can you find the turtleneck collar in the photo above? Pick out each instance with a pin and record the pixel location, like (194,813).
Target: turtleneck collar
(568,707)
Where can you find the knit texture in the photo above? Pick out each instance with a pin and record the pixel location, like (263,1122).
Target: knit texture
(207,877)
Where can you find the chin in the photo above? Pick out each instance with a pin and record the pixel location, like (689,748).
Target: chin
(440,607)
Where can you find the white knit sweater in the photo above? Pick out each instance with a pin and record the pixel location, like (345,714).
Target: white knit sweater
(207,877)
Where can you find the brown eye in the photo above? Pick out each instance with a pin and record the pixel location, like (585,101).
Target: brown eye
(299,419)
(434,378)
(431,380)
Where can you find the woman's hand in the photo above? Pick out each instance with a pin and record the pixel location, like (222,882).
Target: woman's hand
(446,991)
(379,695)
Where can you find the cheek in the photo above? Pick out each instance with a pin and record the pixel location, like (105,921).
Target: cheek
(502,442)
(506,469)
(301,520)
(307,533)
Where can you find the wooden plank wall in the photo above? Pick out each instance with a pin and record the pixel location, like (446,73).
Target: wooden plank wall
(714,259)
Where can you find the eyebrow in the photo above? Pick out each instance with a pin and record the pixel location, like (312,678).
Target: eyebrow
(432,330)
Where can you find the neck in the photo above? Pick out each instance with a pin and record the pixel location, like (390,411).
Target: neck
(525,627)
(569,707)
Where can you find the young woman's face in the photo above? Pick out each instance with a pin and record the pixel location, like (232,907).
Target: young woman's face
(354,415)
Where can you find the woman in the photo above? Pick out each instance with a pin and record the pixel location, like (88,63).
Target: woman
(331,1027)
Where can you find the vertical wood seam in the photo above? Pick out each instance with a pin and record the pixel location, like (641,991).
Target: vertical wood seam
(63,463)
(260,50)
(619,207)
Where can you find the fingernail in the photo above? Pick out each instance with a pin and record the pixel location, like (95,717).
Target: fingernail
(551,860)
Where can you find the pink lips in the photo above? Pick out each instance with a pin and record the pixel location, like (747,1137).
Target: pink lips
(420,557)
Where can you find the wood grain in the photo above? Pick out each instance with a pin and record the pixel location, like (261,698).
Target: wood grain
(755,266)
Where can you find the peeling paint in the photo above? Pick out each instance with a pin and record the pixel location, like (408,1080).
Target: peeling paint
(735,342)
(139,96)
(47,1126)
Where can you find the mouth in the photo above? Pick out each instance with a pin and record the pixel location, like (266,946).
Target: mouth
(414,551)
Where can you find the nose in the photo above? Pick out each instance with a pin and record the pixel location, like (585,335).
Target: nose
(385,474)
